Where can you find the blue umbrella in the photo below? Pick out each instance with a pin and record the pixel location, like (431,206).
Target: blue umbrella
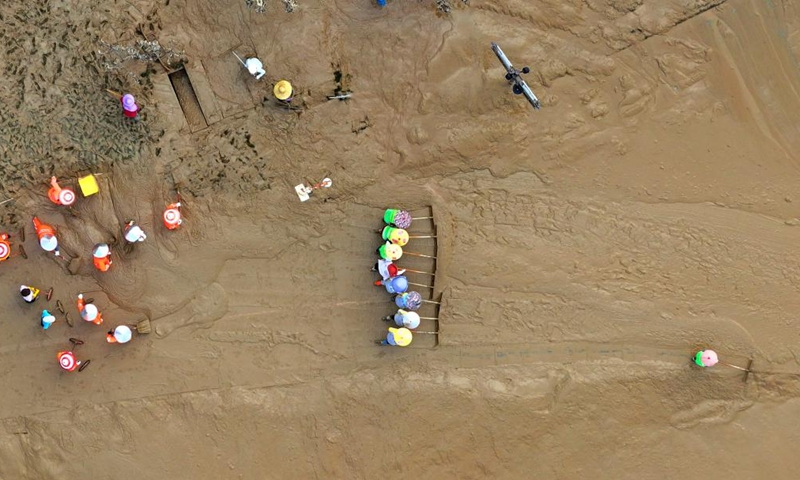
(397,284)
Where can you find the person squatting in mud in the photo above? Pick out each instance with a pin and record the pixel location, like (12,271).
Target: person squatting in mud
(29,294)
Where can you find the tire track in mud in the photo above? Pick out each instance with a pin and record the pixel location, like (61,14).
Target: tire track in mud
(691,12)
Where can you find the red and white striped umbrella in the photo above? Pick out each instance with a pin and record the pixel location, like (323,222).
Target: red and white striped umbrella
(66,197)
(67,361)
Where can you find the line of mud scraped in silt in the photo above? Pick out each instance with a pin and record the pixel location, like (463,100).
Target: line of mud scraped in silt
(63,195)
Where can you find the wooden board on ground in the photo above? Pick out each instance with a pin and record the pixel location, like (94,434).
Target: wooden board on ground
(166,103)
(204,92)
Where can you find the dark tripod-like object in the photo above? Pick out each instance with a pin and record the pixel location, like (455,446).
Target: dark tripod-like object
(513,76)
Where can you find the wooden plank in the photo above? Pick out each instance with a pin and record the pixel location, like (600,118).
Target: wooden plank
(166,103)
(204,91)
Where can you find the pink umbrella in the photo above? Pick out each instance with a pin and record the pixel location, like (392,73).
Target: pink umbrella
(709,358)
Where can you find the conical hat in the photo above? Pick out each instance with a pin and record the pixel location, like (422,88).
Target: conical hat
(282,90)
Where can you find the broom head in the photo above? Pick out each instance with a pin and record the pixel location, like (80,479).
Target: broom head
(143,326)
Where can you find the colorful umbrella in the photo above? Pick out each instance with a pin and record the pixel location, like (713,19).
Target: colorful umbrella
(402,219)
(409,301)
(708,358)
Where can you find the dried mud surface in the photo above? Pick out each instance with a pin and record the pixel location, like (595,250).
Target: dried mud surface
(650,208)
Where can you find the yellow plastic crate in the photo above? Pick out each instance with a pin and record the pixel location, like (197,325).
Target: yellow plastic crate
(88,185)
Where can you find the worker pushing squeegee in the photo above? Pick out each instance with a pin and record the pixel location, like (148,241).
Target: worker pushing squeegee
(253,65)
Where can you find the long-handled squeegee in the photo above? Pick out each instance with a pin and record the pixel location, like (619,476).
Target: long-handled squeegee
(513,76)
(240,59)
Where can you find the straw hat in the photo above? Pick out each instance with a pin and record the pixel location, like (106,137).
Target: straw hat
(283,90)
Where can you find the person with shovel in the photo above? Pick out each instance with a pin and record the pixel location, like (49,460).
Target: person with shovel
(255,67)
(397,337)
(89,312)
(121,334)
(404,318)
(709,358)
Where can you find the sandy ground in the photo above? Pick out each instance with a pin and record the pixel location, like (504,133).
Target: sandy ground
(585,250)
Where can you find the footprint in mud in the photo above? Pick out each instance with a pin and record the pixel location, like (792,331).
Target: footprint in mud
(206,307)
(167,249)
